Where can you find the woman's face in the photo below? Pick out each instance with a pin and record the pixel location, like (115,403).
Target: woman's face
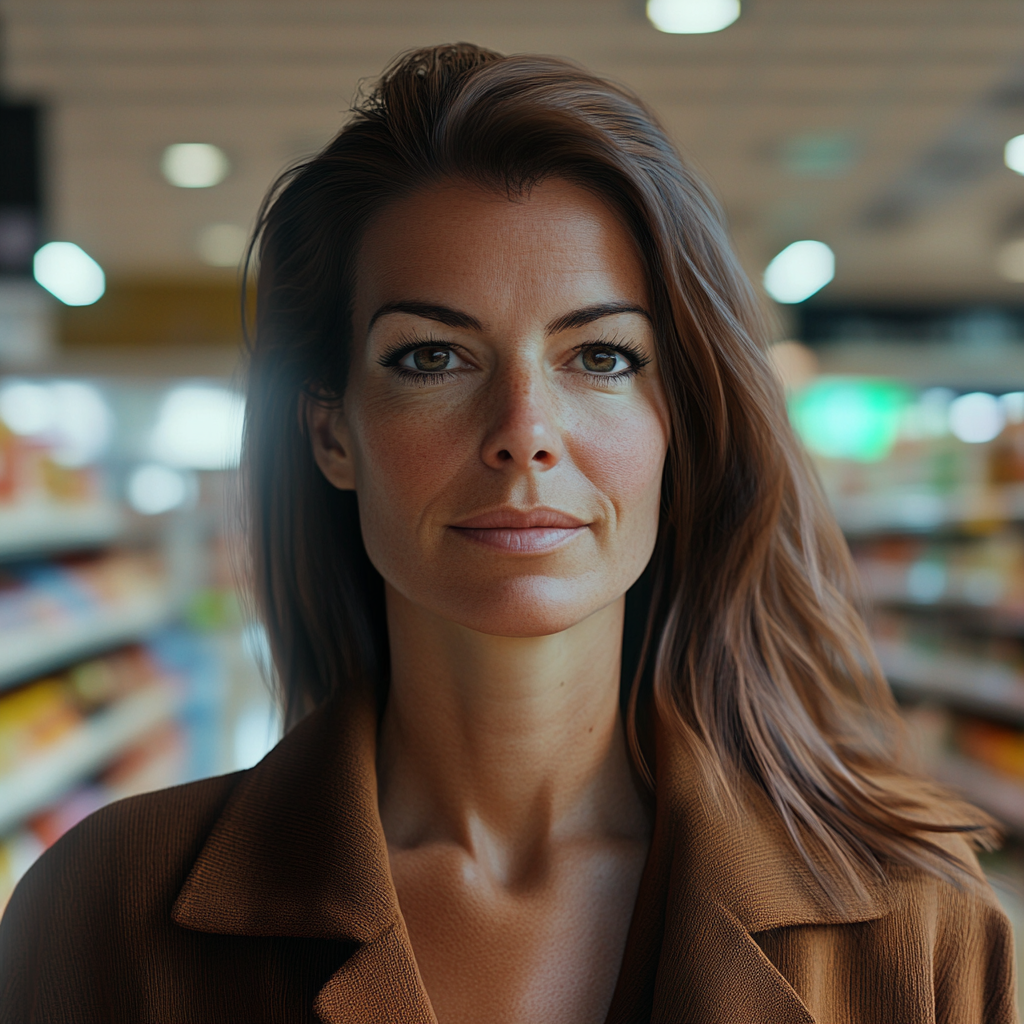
(504,425)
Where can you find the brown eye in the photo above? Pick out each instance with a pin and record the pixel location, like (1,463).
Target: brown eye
(431,360)
(600,360)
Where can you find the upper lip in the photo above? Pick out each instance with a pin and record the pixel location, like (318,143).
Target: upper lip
(521,519)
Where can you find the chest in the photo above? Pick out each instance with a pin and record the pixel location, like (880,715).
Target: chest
(547,949)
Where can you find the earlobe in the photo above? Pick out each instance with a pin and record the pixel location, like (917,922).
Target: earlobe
(328,434)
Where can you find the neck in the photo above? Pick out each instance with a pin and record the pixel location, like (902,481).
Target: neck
(504,743)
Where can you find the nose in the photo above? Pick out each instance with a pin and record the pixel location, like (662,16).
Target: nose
(523,431)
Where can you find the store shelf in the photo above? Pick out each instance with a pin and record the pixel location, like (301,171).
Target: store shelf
(972,596)
(38,529)
(926,512)
(35,650)
(986,687)
(1001,796)
(41,779)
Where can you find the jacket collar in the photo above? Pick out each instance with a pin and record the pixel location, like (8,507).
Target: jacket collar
(299,851)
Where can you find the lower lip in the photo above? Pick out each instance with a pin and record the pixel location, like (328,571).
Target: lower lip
(526,541)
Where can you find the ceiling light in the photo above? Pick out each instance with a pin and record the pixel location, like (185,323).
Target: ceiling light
(800,270)
(692,17)
(1013,154)
(194,165)
(70,273)
(222,245)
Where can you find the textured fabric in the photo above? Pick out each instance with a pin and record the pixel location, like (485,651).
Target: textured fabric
(265,896)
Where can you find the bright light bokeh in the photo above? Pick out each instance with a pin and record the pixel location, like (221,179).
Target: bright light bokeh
(199,426)
(25,407)
(72,417)
(846,418)
(153,489)
(1013,406)
(692,17)
(800,270)
(83,424)
(69,273)
(1013,154)
(194,165)
(976,417)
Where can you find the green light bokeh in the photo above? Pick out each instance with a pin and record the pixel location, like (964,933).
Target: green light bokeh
(849,418)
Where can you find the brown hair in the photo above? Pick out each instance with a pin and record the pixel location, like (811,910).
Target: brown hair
(753,651)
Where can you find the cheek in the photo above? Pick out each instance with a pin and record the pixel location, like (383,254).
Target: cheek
(404,458)
(622,453)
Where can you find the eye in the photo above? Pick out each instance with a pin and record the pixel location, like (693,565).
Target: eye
(431,359)
(604,359)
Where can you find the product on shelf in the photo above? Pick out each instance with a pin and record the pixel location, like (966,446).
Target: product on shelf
(996,745)
(40,713)
(53,593)
(43,719)
(30,475)
(981,572)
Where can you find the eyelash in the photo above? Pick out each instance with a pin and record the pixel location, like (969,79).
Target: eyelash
(393,356)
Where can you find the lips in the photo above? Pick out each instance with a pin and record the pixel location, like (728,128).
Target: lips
(519,531)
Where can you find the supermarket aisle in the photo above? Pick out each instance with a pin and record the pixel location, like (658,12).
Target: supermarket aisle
(124,662)
(928,484)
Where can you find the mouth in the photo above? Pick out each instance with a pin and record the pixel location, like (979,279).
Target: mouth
(521,532)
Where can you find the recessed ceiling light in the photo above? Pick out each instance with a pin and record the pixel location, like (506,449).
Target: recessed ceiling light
(194,164)
(799,271)
(70,273)
(1013,154)
(692,17)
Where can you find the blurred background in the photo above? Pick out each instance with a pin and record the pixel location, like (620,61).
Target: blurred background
(869,157)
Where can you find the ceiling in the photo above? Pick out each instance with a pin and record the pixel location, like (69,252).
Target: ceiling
(874,126)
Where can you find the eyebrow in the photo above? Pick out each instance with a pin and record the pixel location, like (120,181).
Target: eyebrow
(456,318)
(588,314)
(428,311)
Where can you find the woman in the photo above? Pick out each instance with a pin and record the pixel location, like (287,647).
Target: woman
(512,438)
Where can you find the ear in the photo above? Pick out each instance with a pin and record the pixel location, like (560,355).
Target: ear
(330,438)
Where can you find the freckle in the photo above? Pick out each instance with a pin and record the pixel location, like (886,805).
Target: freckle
(591,729)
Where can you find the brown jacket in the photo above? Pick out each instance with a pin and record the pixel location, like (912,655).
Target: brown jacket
(266,896)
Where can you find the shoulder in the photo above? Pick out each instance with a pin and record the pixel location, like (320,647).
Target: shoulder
(111,878)
(136,841)
(938,947)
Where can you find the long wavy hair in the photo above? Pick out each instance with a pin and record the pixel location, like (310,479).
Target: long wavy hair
(743,637)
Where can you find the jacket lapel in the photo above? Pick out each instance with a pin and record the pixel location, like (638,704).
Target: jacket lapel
(299,851)
(712,882)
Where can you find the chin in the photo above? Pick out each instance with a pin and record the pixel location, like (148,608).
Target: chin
(537,606)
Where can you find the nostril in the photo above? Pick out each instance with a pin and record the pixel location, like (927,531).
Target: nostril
(541,456)
(504,455)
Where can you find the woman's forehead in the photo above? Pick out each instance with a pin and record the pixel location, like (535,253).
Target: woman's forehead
(460,245)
